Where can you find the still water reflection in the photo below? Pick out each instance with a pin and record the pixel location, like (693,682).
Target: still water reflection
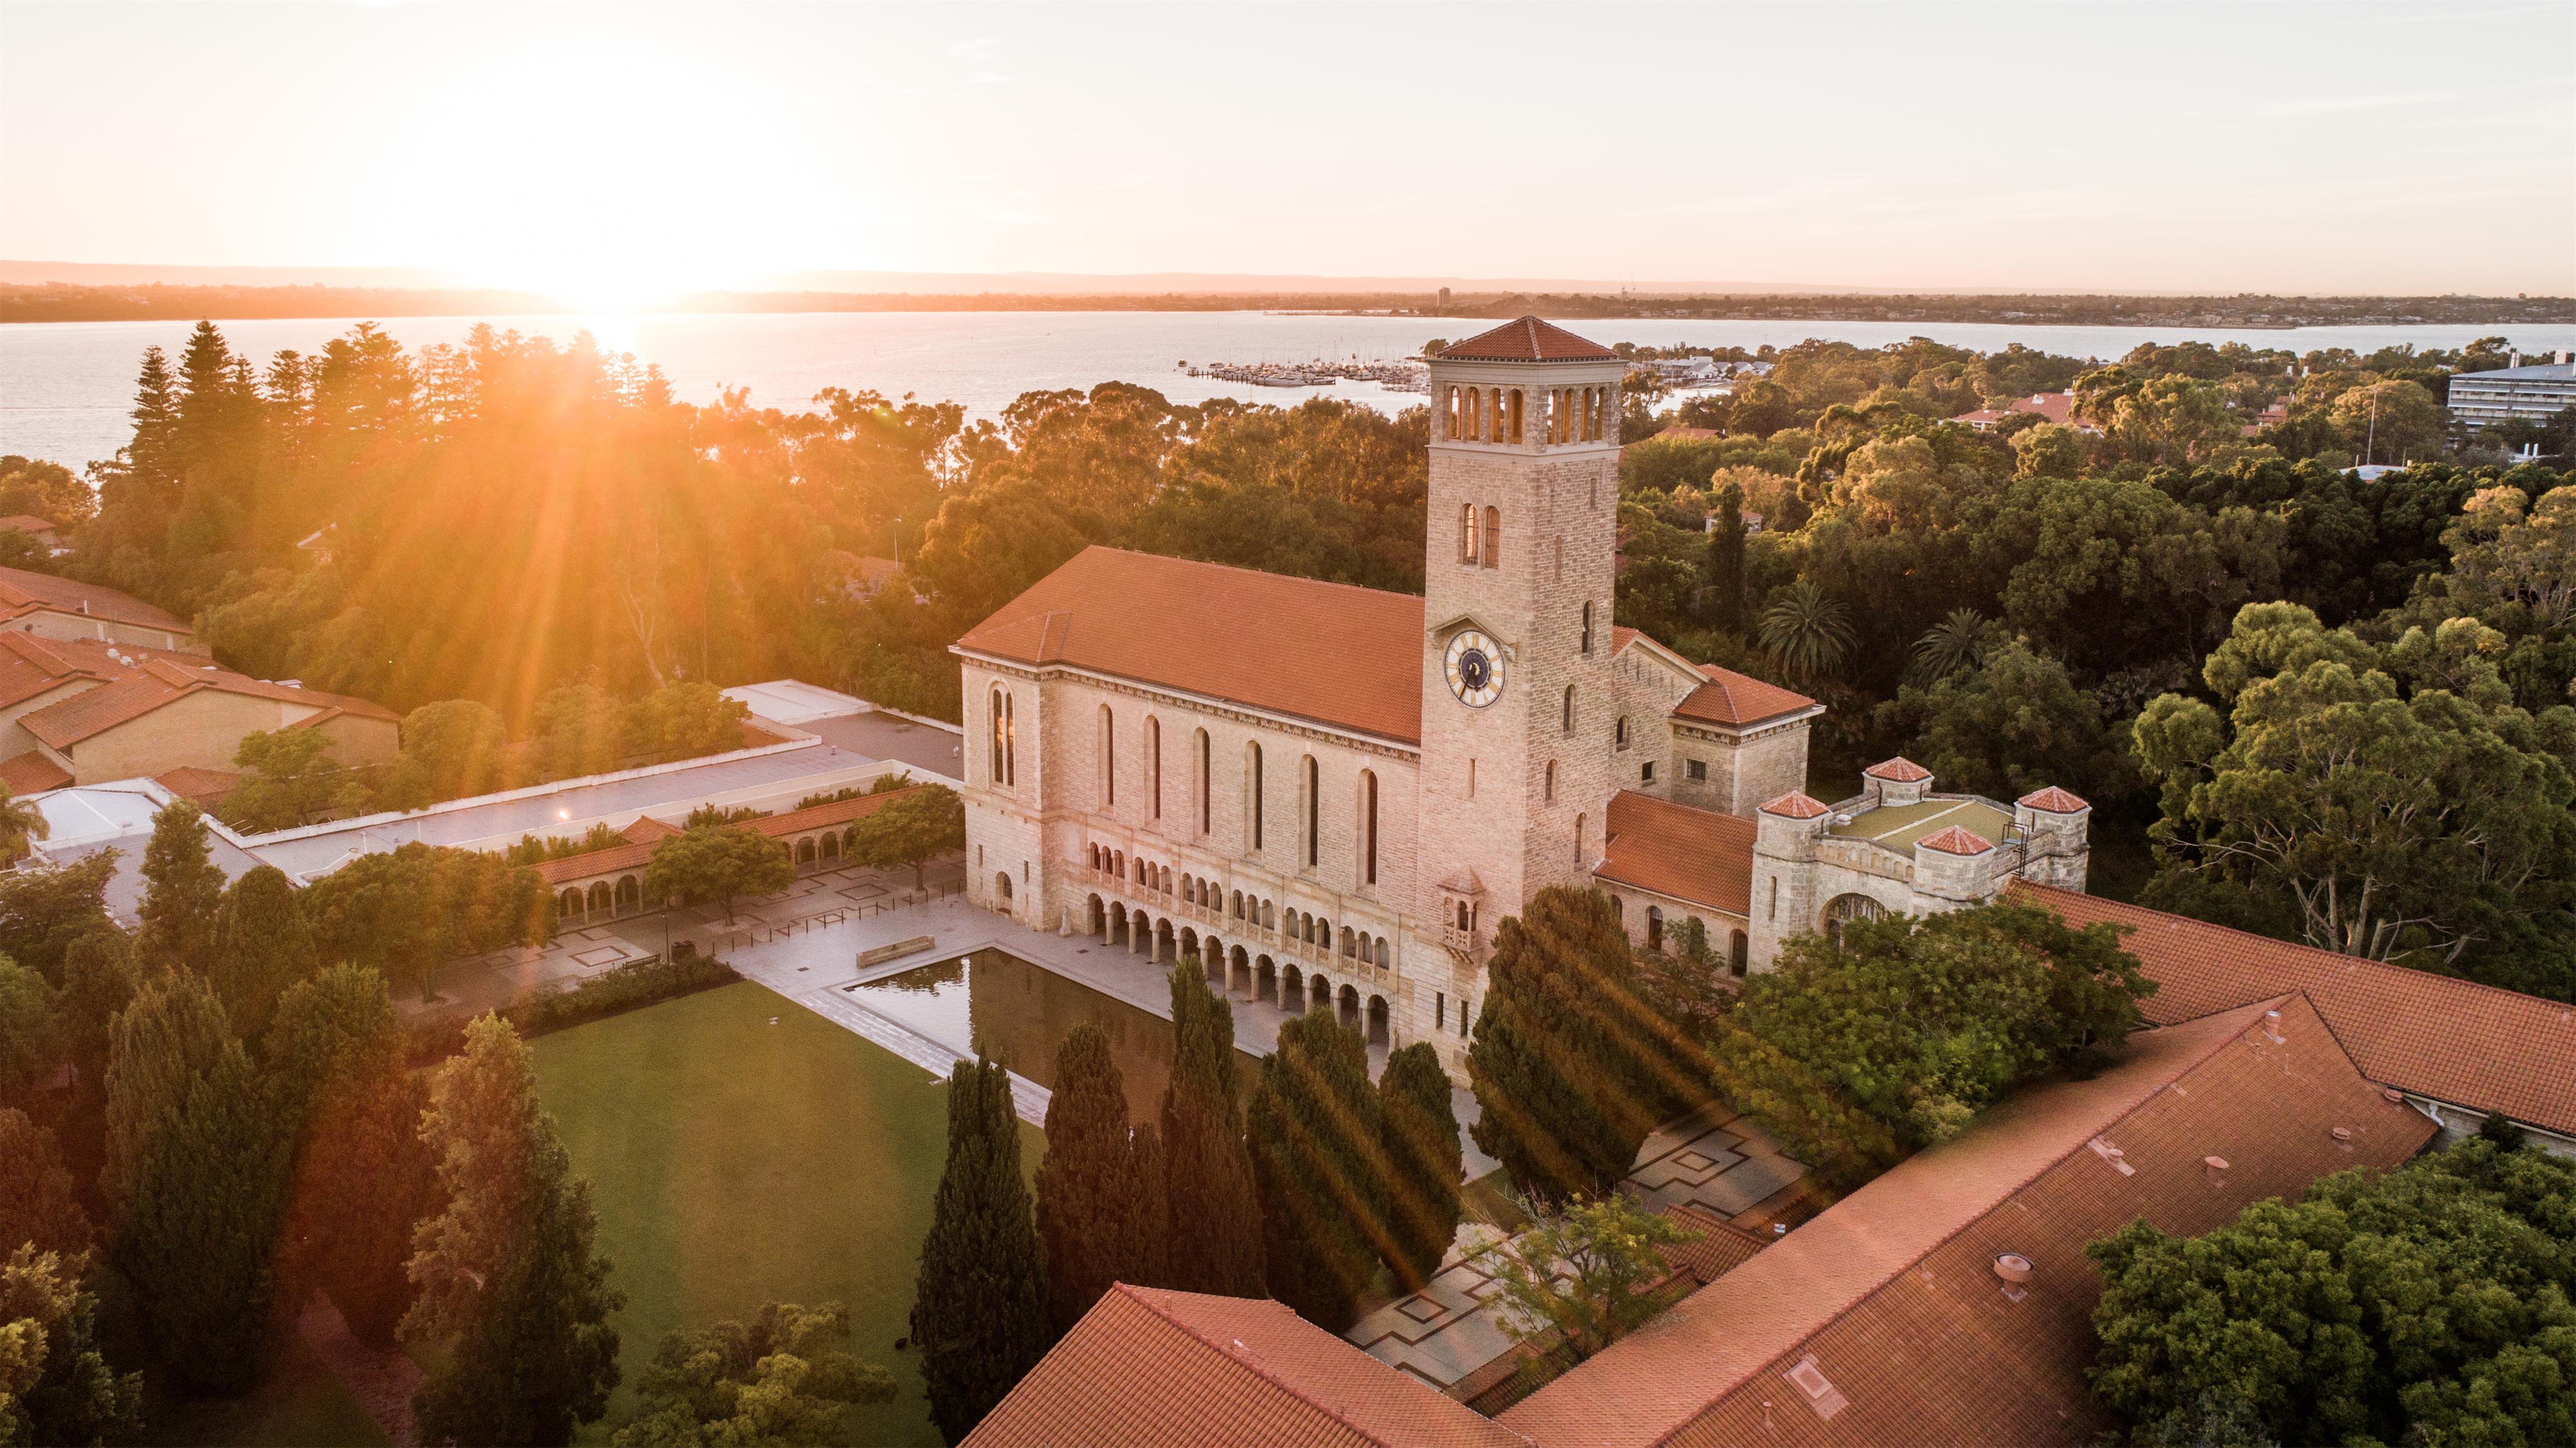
(1018,1012)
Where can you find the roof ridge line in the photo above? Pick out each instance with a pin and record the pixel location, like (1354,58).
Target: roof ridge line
(1253,1362)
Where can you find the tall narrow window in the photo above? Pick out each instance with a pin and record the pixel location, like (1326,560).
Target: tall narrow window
(1252,791)
(1207,801)
(1569,708)
(1578,842)
(1493,555)
(993,772)
(1010,743)
(1368,826)
(1154,763)
(1457,419)
(1471,779)
(1475,414)
(1619,733)
(1587,627)
(1560,558)
(1467,533)
(1551,781)
(1516,414)
(1313,785)
(1108,758)
(1775,897)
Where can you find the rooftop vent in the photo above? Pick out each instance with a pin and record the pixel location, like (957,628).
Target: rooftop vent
(2343,1138)
(1820,1392)
(2118,1159)
(2272,1026)
(2216,1166)
(2014,1269)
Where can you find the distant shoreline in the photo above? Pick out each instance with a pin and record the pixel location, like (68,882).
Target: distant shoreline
(63,302)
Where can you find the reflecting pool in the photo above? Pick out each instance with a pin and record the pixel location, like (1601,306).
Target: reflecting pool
(1018,1012)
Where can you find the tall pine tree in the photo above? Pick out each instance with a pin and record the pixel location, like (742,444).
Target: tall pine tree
(514,1296)
(1087,1189)
(262,945)
(1148,1228)
(1566,1057)
(1314,1125)
(1424,1162)
(1212,1203)
(980,1315)
(195,1173)
(183,891)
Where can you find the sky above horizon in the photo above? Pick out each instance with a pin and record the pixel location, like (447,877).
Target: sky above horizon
(613,153)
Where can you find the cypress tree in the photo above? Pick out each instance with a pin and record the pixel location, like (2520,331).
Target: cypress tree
(1565,1057)
(261,946)
(98,982)
(195,1166)
(1148,1228)
(1424,1162)
(39,1201)
(183,891)
(981,1314)
(514,1297)
(1215,1212)
(1314,1124)
(1086,1189)
(1725,567)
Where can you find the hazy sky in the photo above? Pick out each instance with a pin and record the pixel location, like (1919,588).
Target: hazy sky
(2295,148)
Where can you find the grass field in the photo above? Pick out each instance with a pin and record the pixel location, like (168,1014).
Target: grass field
(734,1161)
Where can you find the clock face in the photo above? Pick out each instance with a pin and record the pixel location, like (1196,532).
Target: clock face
(1475,668)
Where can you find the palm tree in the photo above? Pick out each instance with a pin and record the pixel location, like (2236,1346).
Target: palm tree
(1807,629)
(20,823)
(1956,642)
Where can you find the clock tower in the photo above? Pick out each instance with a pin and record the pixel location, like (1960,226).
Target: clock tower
(1518,722)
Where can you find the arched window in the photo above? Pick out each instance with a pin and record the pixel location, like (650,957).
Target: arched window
(1313,787)
(1108,758)
(1654,927)
(1516,414)
(1493,554)
(1844,909)
(1456,419)
(1010,743)
(1551,781)
(1207,796)
(1593,397)
(1368,827)
(1569,708)
(1154,762)
(1735,953)
(993,772)
(1238,905)
(1587,626)
(1252,793)
(1467,533)
(1269,916)
(1619,736)
(1385,957)
(1476,414)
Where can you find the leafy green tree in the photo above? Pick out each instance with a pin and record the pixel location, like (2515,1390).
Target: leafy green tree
(1895,1036)
(45,908)
(786,1378)
(1724,568)
(1087,1194)
(288,778)
(1571,1067)
(1808,630)
(39,1202)
(21,824)
(583,728)
(1425,1163)
(406,911)
(262,946)
(908,830)
(1582,1274)
(196,1165)
(2011,723)
(2513,561)
(183,890)
(514,1297)
(1314,1125)
(2390,421)
(980,1314)
(55,1384)
(1211,1194)
(719,863)
(686,719)
(2429,1304)
(450,749)
(45,490)
(2050,450)
(31,1039)
(2329,805)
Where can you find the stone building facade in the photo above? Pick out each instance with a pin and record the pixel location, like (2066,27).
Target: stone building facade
(1329,797)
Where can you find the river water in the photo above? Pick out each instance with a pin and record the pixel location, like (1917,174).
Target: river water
(66,387)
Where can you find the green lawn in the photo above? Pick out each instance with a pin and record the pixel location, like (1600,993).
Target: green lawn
(734,1161)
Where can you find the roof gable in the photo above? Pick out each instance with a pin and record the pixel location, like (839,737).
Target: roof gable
(1328,652)
(1738,699)
(1527,339)
(23,591)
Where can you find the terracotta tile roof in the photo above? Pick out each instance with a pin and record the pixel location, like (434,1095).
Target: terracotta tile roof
(1720,1247)
(1738,699)
(647,834)
(23,591)
(1672,849)
(1147,1368)
(190,782)
(2449,1039)
(1882,1321)
(1329,652)
(24,774)
(1527,339)
(1899,770)
(2054,801)
(28,523)
(1796,805)
(130,693)
(1957,841)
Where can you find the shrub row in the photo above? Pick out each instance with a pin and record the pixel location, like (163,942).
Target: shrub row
(622,988)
